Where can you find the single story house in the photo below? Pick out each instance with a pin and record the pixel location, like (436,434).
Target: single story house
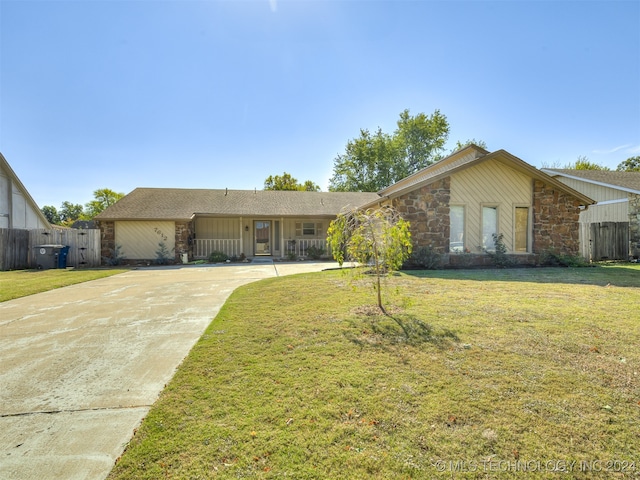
(197,222)
(610,228)
(454,206)
(18,210)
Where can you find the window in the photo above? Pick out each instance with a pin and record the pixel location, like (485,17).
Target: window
(308,229)
(489,227)
(456,229)
(521,229)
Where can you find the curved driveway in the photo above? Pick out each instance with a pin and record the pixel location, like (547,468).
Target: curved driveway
(80,366)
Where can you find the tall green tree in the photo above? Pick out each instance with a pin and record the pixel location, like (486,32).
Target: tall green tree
(51,214)
(379,237)
(287,182)
(70,212)
(583,163)
(367,164)
(631,164)
(103,198)
(374,161)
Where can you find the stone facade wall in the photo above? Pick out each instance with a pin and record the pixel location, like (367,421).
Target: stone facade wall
(107,239)
(634,225)
(427,209)
(555,220)
(184,244)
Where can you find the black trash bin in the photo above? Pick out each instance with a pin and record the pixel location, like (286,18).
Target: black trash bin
(51,256)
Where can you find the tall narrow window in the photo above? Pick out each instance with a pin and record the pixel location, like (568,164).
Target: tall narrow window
(489,227)
(456,229)
(522,229)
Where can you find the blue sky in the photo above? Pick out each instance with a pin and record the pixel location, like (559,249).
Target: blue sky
(221,94)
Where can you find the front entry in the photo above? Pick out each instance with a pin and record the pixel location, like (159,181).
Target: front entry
(263,237)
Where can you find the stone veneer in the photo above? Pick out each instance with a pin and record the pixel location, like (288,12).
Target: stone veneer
(634,225)
(427,208)
(555,220)
(107,239)
(184,242)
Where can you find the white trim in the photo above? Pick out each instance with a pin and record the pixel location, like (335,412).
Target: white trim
(586,180)
(609,202)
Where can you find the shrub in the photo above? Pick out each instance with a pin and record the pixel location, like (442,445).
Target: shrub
(499,256)
(163,255)
(218,257)
(115,258)
(553,258)
(425,257)
(315,252)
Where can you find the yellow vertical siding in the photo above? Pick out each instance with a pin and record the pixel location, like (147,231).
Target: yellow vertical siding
(139,240)
(490,183)
(609,212)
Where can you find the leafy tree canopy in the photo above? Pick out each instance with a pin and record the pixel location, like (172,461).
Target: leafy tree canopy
(103,198)
(70,212)
(631,164)
(374,161)
(287,182)
(583,163)
(51,214)
(472,141)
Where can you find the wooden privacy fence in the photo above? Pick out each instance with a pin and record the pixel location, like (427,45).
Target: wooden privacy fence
(14,249)
(84,245)
(17,247)
(605,241)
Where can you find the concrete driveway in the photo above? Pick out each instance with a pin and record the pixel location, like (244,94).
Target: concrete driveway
(80,366)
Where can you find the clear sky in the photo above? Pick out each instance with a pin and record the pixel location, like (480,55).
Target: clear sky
(122,94)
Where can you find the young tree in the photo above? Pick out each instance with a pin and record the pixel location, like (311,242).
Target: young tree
(631,164)
(103,198)
(372,162)
(287,182)
(377,236)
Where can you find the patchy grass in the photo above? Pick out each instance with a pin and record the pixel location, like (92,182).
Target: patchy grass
(20,283)
(476,374)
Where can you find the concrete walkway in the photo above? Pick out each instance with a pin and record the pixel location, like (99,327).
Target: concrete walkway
(80,366)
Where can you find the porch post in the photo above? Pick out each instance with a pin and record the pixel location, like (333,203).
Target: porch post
(282,252)
(241,239)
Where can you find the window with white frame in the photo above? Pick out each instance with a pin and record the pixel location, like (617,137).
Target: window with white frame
(489,227)
(521,227)
(456,229)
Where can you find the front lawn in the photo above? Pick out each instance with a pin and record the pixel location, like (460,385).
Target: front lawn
(477,374)
(20,283)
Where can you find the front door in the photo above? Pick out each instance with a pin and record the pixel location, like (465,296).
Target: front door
(263,237)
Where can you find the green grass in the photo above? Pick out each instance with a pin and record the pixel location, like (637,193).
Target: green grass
(20,283)
(477,374)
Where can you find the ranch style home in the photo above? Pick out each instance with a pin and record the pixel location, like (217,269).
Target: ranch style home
(454,206)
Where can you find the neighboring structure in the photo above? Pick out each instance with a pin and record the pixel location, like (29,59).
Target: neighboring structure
(197,222)
(17,209)
(610,229)
(454,207)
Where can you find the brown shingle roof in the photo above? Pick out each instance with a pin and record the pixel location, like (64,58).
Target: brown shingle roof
(626,180)
(182,204)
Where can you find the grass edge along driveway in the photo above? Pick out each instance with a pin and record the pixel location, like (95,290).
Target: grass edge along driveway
(475,374)
(20,283)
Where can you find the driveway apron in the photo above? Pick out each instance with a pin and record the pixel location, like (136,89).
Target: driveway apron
(80,366)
